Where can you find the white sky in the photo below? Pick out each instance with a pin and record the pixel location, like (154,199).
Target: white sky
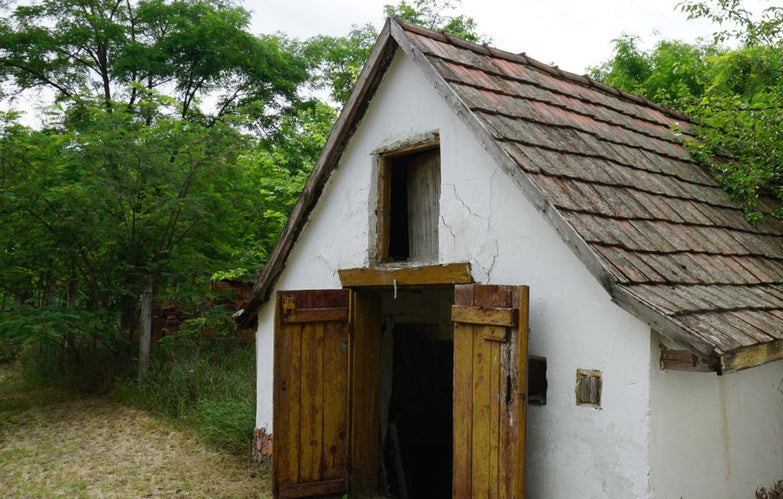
(572,34)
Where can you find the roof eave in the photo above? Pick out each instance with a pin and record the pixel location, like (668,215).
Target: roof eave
(751,356)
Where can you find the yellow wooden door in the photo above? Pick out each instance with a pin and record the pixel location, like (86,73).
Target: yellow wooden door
(311,387)
(490,380)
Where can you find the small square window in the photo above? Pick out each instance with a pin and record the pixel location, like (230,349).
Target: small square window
(588,387)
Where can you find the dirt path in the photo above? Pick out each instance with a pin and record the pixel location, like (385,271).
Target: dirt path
(59,444)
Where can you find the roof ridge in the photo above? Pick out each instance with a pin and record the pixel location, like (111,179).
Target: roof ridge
(523,58)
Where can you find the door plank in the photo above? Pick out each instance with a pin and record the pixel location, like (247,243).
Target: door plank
(463,409)
(317,315)
(481,413)
(494,428)
(488,316)
(311,402)
(286,400)
(335,406)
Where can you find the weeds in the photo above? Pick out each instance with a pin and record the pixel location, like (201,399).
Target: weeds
(200,377)
(205,383)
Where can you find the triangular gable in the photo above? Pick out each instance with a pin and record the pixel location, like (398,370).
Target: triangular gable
(608,172)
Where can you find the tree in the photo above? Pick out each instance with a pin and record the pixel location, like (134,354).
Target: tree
(431,14)
(335,62)
(133,176)
(734,94)
(115,48)
(92,211)
(749,30)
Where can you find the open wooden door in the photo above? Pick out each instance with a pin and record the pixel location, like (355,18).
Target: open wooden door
(490,380)
(311,393)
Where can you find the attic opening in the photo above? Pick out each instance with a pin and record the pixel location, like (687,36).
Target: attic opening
(408,205)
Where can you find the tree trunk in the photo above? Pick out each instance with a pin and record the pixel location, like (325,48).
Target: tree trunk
(145,334)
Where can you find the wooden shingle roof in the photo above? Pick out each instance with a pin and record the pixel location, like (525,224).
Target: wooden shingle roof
(609,172)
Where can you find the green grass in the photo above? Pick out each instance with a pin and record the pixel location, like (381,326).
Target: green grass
(206,384)
(58,442)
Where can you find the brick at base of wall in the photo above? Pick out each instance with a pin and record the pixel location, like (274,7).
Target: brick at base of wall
(774,492)
(262,443)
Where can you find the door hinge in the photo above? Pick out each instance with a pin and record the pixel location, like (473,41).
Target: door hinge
(288,304)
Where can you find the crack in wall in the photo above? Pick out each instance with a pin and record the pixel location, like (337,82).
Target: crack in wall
(462,201)
(494,260)
(451,231)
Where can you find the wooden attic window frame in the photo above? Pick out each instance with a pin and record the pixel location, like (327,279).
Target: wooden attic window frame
(391,162)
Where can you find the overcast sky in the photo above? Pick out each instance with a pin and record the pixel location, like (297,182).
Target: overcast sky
(572,34)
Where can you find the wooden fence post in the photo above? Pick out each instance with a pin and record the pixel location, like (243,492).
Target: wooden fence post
(145,334)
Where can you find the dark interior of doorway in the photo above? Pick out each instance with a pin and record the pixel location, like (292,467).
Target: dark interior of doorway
(418,444)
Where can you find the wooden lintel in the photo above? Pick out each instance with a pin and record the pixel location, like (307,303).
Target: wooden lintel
(685,360)
(751,356)
(427,275)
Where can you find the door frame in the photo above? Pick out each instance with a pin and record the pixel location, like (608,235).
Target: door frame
(365,324)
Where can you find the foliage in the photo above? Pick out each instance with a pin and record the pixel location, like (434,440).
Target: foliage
(430,14)
(132,175)
(337,60)
(59,346)
(111,50)
(734,94)
(750,30)
(175,148)
(334,62)
(671,74)
(91,209)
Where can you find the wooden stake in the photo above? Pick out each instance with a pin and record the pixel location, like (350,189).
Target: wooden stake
(146,328)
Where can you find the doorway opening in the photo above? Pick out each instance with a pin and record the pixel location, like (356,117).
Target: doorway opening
(416,383)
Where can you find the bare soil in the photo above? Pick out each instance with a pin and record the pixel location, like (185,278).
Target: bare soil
(56,443)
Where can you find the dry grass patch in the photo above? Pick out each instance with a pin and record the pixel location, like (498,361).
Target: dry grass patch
(56,443)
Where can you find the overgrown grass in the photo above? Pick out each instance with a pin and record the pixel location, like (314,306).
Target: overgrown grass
(57,442)
(207,384)
(200,377)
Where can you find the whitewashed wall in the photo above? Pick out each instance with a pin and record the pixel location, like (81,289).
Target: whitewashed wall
(573,451)
(716,436)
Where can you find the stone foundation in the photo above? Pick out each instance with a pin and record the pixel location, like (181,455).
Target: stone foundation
(262,443)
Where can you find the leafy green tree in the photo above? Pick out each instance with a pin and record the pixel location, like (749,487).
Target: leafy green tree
(743,25)
(134,175)
(189,50)
(335,61)
(734,94)
(94,210)
(431,14)
(277,168)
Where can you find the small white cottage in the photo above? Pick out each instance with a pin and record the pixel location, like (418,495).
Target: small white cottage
(504,279)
